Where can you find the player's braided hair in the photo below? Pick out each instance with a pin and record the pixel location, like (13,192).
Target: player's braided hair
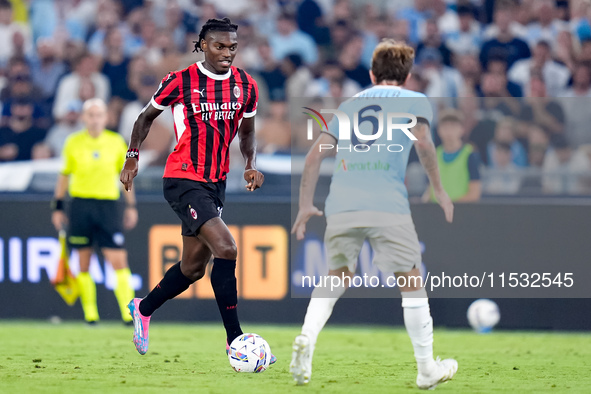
(214,25)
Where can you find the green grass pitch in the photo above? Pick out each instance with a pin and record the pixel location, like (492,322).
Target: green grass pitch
(39,357)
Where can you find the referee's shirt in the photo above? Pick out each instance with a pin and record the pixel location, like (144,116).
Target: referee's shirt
(94,164)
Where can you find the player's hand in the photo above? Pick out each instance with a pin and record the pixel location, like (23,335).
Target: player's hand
(304,214)
(130,218)
(59,220)
(128,173)
(445,204)
(254,178)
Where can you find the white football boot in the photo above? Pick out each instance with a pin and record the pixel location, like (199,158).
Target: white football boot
(444,370)
(301,360)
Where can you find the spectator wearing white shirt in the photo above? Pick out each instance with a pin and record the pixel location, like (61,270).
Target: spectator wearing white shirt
(69,124)
(47,68)
(562,168)
(505,178)
(161,140)
(85,69)
(515,28)
(443,81)
(264,16)
(298,76)
(467,39)
(289,39)
(547,27)
(581,86)
(8,30)
(556,76)
(332,77)
(447,19)
(107,19)
(578,116)
(231,8)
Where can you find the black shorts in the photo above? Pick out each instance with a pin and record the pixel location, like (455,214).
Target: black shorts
(194,202)
(95,221)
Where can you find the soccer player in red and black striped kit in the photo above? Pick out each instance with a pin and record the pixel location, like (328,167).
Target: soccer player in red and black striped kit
(211,102)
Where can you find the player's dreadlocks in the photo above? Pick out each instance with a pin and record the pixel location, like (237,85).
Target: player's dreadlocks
(214,25)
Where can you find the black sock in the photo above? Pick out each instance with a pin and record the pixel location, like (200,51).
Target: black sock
(223,281)
(173,284)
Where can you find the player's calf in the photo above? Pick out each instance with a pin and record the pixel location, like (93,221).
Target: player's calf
(173,284)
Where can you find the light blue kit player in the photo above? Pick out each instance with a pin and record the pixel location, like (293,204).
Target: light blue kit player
(368,201)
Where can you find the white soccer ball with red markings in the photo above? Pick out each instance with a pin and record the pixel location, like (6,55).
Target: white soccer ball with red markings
(483,315)
(249,353)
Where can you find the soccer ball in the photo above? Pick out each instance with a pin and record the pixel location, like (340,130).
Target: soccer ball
(249,353)
(483,315)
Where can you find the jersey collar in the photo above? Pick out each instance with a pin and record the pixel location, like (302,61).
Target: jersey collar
(219,77)
(386,87)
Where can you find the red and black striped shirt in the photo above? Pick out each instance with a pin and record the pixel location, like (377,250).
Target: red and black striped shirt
(207,110)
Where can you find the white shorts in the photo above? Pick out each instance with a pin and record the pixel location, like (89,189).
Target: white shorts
(395,248)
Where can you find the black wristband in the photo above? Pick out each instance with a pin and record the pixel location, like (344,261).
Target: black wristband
(57,205)
(133,154)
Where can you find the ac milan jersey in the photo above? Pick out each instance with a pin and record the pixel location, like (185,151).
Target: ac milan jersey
(207,110)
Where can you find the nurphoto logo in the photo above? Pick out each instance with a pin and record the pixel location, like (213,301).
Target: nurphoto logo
(360,142)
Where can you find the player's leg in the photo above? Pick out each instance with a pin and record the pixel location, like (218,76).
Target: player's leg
(177,279)
(319,311)
(183,196)
(343,246)
(417,318)
(123,290)
(396,249)
(216,235)
(322,302)
(87,286)
(109,236)
(419,326)
(180,276)
(80,237)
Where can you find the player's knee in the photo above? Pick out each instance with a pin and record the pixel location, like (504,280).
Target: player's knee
(194,271)
(228,251)
(198,273)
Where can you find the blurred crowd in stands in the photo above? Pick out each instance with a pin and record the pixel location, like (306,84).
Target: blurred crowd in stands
(519,71)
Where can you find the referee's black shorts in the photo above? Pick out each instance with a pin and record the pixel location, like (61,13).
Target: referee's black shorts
(97,222)
(194,202)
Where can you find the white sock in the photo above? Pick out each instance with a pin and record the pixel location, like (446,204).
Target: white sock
(319,311)
(419,325)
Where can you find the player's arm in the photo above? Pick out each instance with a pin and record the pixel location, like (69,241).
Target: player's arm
(141,128)
(308,183)
(248,148)
(428,158)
